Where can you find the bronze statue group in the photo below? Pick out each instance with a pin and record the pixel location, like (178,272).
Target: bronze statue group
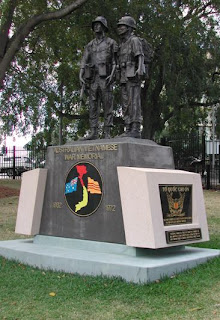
(101,60)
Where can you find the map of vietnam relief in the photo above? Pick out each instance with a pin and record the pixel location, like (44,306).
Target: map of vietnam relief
(82,185)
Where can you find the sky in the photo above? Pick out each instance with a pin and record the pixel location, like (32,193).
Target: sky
(18,141)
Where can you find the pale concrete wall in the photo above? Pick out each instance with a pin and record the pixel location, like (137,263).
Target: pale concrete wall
(31,202)
(142,210)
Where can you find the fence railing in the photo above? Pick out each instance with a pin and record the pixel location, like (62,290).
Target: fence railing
(14,161)
(211,177)
(197,154)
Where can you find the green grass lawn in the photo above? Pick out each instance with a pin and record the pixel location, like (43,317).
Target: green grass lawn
(27,293)
(15,184)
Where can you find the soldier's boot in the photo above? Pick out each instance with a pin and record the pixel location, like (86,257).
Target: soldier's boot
(127,131)
(92,136)
(135,130)
(107,132)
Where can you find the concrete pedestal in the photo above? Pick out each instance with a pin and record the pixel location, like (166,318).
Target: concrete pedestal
(163,208)
(31,202)
(82,229)
(106,259)
(100,159)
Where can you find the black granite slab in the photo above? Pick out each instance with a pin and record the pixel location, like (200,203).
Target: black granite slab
(102,220)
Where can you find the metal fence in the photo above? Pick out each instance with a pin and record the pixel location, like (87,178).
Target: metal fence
(197,154)
(14,161)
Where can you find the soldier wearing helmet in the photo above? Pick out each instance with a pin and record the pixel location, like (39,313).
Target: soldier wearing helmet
(131,68)
(97,72)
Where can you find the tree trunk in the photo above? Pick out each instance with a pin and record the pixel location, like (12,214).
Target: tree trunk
(5,28)
(151,107)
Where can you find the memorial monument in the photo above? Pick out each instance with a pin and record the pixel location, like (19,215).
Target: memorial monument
(115,207)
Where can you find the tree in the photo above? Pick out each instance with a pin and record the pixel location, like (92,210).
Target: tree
(10,46)
(181,73)
(42,84)
(183,34)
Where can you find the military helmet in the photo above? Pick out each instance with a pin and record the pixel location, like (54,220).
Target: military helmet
(102,20)
(128,21)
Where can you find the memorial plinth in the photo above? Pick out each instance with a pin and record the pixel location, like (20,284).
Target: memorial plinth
(165,208)
(31,201)
(82,198)
(113,208)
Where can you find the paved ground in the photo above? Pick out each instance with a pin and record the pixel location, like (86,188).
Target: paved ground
(8,192)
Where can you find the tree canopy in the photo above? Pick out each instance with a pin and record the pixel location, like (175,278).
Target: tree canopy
(41,84)
(30,17)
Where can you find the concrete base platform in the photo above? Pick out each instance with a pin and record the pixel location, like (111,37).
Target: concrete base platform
(97,258)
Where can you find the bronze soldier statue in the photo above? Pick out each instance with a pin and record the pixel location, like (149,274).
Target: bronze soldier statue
(131,68)
(97,71)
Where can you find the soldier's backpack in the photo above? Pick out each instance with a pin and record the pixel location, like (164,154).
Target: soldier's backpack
(148,54)
(148,50)
(148,57)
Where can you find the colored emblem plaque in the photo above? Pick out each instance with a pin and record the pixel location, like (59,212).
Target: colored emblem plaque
(83,189)
(176,203)
(183,235)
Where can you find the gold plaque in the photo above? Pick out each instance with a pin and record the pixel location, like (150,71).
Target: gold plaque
(176,203)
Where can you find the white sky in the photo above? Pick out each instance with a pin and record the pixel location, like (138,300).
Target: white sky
(17,141)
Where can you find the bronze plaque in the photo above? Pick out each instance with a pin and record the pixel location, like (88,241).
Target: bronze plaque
(183,235)
(176,203)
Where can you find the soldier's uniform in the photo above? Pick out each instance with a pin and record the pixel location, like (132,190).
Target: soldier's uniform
(131,62)
(130,84)
(98,61)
